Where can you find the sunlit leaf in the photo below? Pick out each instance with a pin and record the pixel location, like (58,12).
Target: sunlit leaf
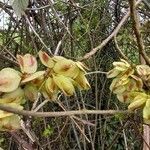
(148,81)
(138,82)
(64,84)
(16,96)
(82,82)
(125,62)
(146,114)
(28,63)
(143,70)
(18,100)
(9,80)
(67,68)
(113,73)
(127,73)
(133,85)
(4,114)
(82,66)
(10,123)
(124,97)
(50,85)
(33,76)
(118,89)
(148,101)
(129,96)
(137,104)
(58,58)
(120,66)
(31,92)
(118,85)
(39,81)
(122,81)
(46,59)
(141,95)
(52,96)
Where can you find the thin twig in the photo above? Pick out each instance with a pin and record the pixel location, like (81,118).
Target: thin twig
(43,7)
(124,126)
(60,132)
(59,45)
(96,72)
(34,105)
(27,131)
(72,119)
(41,105)
(84,121)
(119,50)
(7,59)
(58,18)
(48,49)
(124,136)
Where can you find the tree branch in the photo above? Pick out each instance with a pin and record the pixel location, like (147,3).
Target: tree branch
(62,113)
(137,33)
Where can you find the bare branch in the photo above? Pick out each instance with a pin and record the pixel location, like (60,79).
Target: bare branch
(119,50)
(48,49)
(137,31)
(62,113)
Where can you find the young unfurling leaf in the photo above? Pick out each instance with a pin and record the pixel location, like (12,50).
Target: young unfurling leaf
(46,59)
(81,81)
(67,68)
(28,63)
(65,84)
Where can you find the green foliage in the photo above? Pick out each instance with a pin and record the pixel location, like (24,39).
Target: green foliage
(48,131)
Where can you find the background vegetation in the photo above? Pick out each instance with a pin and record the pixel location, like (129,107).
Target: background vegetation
(72,29)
